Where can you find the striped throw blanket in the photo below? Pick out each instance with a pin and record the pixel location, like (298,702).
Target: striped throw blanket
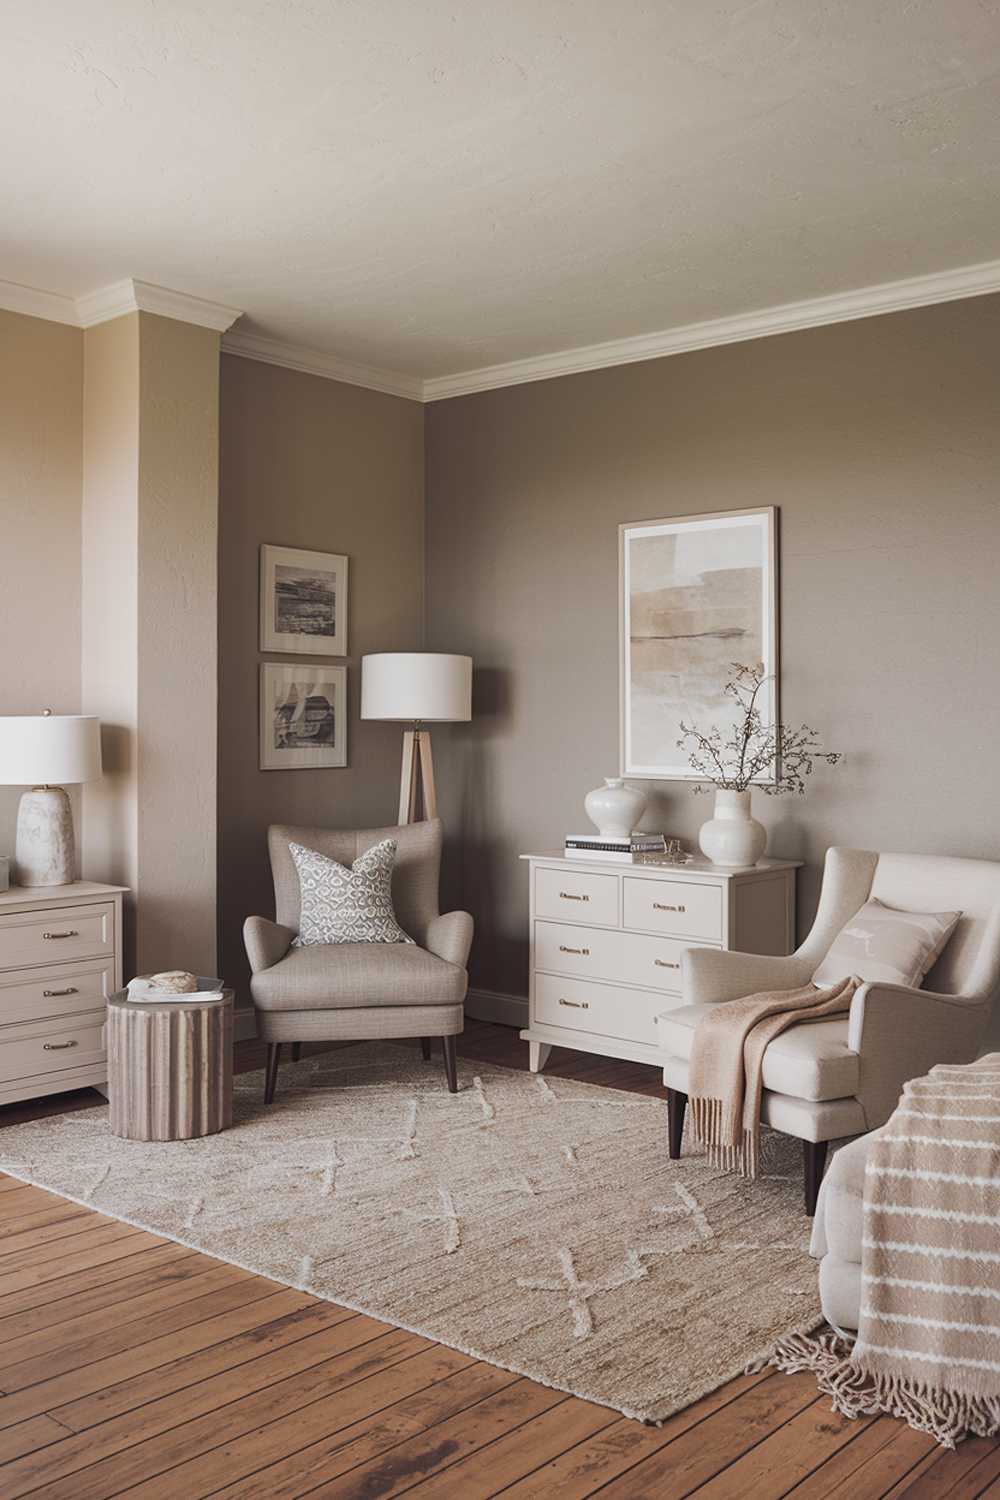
(928,1345)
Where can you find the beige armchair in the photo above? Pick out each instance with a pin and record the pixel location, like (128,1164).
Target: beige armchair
(334,992)
(843,1076)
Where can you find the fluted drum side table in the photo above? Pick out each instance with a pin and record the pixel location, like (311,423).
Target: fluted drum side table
(170,1068)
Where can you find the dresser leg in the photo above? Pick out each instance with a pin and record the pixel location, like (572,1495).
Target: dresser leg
(538,1055)
(676,1105)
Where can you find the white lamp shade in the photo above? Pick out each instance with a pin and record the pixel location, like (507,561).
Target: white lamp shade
(49,749)
(416,686)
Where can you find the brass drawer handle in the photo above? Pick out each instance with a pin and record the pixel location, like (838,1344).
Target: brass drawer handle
(57,1046)
(663,963)
(581,952)
(72,933)
(575,1004)
(568,896)
(660,906)
(51,994)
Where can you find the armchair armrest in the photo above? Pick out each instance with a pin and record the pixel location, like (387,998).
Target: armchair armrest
(709,974)
(450,937)
(265,942)
(900,1033)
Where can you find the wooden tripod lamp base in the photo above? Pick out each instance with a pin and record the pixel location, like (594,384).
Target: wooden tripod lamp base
(417,777)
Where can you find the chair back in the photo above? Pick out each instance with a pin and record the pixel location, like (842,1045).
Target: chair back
(970,963)
(414,878)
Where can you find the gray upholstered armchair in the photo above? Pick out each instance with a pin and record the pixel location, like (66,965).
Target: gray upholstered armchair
(328,992)
(843,1076)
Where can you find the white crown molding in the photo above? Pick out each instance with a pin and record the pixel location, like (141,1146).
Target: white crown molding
(36,304)
(132,295)
(815,312)
(314,362)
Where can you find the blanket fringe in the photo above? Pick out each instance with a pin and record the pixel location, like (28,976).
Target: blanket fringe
(948,1416)
(719,1128)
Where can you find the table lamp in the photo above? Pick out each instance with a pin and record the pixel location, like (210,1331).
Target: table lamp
(416,687)
(44,751)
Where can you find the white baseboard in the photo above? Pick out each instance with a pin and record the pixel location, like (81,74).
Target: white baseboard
(490,1005)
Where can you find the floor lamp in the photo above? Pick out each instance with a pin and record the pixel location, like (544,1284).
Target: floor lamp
(416,687)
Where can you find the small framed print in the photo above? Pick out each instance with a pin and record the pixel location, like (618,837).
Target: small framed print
(303,716)
(303,602)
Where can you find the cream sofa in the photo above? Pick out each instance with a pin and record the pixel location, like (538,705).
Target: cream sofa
(837,1232)
(824,1080)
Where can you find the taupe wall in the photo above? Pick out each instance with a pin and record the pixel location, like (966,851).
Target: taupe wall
(41,416)
(307,462)
(878,439)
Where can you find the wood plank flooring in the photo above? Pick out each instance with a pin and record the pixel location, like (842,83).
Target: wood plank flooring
(133,1366)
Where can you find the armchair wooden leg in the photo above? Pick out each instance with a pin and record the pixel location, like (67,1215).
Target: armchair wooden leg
(271,1072)
(450,1063)
(425,1047)
(676,1105)
(814,1154)
(296,1051)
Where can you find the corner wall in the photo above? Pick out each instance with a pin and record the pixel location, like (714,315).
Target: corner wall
(878,440)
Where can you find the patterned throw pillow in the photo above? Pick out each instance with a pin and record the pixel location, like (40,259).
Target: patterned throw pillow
(881,943)
(341,905)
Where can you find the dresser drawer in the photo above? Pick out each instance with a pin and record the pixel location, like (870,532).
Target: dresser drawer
(54,937)
(601,1009)
(675,908)
(590,952)
(30,1050)
(62,991)
(568,896)
(654,961)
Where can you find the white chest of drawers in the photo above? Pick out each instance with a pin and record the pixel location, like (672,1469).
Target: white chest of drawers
(60,958)
(607,937)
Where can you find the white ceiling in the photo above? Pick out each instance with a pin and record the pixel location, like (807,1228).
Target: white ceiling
(432,186)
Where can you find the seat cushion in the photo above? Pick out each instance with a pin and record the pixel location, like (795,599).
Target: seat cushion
(343,976)
(810,1060)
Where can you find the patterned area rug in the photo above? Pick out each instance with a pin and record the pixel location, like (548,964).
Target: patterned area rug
(533,1222)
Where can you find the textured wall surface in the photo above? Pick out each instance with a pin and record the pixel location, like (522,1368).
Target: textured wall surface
(879,442)
(41,415)
(309,463)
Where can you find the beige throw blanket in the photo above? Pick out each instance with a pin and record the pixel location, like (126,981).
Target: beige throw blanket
(727,1055)
(928,1348)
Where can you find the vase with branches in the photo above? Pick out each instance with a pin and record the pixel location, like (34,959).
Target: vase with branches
(754,750)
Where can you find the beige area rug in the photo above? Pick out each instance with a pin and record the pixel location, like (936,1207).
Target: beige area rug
(533,1222)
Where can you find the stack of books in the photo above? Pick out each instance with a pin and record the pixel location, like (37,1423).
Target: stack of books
(598,846)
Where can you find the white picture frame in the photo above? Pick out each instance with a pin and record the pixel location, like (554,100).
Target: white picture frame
(303,601)
(303,716)
(676,648)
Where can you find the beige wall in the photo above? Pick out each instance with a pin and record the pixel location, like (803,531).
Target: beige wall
(878,439)
(41,413)
(307,462)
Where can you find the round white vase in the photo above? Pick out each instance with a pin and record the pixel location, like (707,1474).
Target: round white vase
(732,836)
(614,808)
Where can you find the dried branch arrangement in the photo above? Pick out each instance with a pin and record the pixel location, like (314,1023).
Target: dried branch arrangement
(753,752)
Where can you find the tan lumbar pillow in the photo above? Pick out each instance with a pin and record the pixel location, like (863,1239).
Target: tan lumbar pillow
(884,944)
(172,982)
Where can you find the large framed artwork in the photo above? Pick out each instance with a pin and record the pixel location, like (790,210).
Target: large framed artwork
(697,594)
(303,601)
(303,716)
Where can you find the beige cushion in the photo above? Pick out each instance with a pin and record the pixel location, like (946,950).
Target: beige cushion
(887,944)
(809,1061)
(340,976)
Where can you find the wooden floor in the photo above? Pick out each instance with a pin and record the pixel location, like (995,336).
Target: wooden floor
(132,1366)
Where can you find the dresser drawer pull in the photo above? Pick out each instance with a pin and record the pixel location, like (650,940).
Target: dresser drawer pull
(581,952)
(568,896)
(56,1046)
(50,935)
(664,963)
(660,906)
(575,1004)
(52,994)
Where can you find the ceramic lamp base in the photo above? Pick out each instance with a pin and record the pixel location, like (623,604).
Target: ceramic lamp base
(45,853)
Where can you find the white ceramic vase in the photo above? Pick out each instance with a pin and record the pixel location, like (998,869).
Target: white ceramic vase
(614,808)
(732,836)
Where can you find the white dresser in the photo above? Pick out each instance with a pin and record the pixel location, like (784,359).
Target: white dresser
(607,938)
(60,959)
